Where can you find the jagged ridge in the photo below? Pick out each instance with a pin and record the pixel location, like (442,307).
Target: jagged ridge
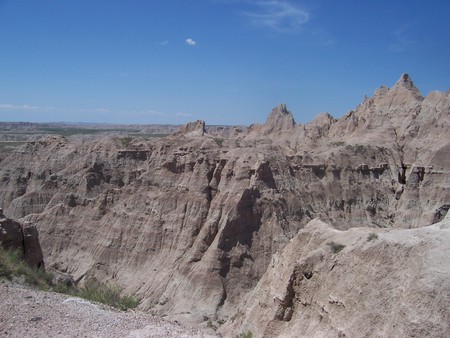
(190,223)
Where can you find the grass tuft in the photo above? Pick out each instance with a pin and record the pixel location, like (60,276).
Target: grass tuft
(219,141)
(372,236)
(107,294)
(336,247)
(12,266)
(126,141)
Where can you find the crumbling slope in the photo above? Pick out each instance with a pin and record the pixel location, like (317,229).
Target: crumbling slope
(356,283)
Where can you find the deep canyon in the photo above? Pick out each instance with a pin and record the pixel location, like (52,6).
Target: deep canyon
(338,227)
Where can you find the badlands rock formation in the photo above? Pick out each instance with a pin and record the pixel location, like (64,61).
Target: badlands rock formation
(22,237)
(360,282)
(198,225)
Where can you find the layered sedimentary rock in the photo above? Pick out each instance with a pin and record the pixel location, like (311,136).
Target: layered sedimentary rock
(21,237)
(191,223)
(360,282)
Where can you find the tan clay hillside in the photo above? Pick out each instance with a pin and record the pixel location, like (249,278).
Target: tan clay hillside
(356,283)
(205,227)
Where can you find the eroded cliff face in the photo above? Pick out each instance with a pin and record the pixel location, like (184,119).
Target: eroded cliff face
(22,238)
(191,222)
(360,282)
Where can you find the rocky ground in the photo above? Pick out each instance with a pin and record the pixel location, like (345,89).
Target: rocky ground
(25,312)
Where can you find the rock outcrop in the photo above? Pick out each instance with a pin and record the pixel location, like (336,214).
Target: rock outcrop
(196,128)
(356,283)
(23,237)
(191,223)
(280,120)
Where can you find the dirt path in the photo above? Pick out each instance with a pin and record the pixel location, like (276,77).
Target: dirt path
(30,313)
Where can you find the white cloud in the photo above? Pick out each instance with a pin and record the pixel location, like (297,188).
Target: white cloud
(163,43)
(278,15)
(29,108)
(7,106)
(190,42)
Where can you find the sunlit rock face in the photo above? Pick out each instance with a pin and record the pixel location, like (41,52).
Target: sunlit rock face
(191,223)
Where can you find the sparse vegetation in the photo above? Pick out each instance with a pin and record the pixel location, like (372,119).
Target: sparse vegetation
(126,141)
(106,294)
(247,334)
(338,143)
(65,288)
(69,131)
(101,293)
(236,315)
(219,141)
(12,266)
(9,146)
(7,260)
(336,247)
(372,237)
(210,325)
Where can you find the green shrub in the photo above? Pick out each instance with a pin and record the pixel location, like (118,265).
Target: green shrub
(38,277)
(218,140)
(336,247)
(248,334)
(126,141)
(107,294)
(210,325)
(372,236)
(12,265)
(65,288)
(6,269)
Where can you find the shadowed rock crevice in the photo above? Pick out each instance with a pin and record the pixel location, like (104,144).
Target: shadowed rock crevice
(96,175)
(286,305)
(241,228)
(22,237)
(264,173)
(441,213)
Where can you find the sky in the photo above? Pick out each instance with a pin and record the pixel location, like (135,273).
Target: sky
(228,62)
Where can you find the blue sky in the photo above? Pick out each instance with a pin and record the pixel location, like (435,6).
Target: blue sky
(223,61)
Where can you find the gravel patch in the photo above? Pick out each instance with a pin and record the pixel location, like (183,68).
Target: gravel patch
(26,312)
